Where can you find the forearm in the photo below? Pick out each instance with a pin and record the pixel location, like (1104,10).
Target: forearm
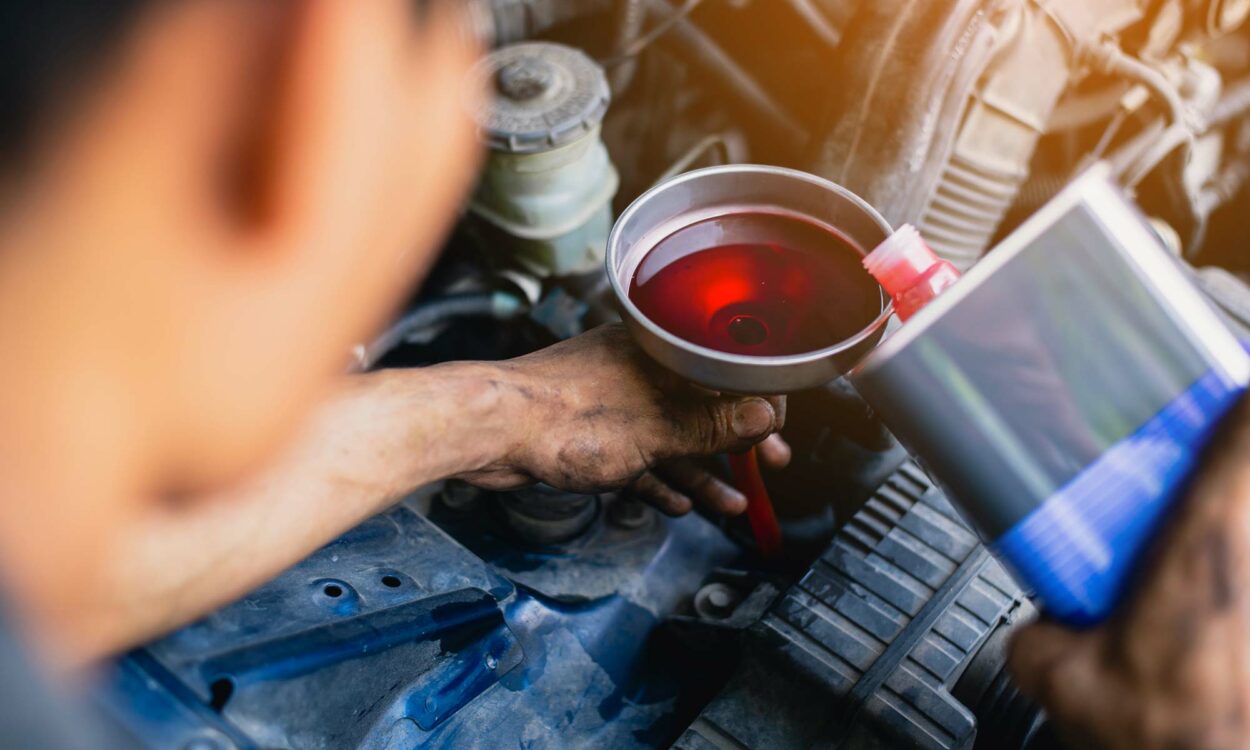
(586,415)
(381,436)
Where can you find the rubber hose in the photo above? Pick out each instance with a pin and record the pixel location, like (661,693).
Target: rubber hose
(434,312)
(631,15)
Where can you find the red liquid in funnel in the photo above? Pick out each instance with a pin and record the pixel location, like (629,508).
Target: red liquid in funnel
(761,285)
(757,284)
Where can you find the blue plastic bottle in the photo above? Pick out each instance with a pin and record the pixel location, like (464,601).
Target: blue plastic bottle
(1062,392)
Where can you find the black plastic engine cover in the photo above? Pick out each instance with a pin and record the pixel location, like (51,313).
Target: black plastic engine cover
(867,648)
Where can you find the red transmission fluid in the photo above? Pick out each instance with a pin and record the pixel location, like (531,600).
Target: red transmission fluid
(780,286)
(909,271)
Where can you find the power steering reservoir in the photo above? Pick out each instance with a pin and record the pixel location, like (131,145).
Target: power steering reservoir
(548,183)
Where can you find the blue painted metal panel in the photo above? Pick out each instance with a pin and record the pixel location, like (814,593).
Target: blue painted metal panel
(396,636)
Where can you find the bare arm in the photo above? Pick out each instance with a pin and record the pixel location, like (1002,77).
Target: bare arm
(589,414)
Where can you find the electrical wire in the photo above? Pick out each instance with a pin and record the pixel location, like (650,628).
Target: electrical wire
(1083,110)
(1108,135)
(1176,136)
(1110,59)
(817,22)
(696,152)
(639,45)
(1124,64)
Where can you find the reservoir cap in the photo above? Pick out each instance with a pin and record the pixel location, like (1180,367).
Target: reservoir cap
(542,96)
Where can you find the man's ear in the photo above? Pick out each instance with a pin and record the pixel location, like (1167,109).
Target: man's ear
(320,116)
(362,151)
(355,152)
(364,97)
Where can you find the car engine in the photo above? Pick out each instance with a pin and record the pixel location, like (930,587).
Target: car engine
(538,619)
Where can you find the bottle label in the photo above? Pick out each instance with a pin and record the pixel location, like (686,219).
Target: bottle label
(1078,549)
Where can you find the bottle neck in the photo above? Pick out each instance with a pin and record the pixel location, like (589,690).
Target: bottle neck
(909,271)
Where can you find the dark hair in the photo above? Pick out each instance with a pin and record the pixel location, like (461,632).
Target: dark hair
(48,48)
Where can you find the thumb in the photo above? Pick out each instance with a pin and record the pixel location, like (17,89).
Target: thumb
(1056,666)
(718,425)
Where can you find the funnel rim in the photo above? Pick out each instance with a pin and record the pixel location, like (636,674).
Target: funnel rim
(615,251)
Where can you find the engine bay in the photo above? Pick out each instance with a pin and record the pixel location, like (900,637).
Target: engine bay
(464,618)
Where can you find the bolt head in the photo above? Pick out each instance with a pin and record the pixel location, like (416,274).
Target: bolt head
(716,601)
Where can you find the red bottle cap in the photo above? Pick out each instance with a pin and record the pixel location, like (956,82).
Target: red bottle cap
(901,261)
(909,271)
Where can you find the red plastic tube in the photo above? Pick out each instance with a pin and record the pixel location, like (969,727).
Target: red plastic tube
(746,474)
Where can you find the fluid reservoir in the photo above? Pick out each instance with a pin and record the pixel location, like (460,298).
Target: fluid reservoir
(548,183)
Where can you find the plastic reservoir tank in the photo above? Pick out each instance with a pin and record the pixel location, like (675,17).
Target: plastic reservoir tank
(548,183)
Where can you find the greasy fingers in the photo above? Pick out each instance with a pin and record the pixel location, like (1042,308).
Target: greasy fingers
(1056,666)
(1172,668)
(752,419)
(705,426)
(774,452)
(595,412)
(708,491)
(652,490)
(779,407)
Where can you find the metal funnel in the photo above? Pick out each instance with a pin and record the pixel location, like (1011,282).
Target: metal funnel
(736,189)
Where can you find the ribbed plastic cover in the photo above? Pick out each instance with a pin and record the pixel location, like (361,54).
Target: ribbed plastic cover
(863,652)
(545,95)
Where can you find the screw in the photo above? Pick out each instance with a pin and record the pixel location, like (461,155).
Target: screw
(716,601)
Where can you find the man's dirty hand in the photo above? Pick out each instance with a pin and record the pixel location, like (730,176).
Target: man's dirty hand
(597,414)
(676,487)
(1172,669)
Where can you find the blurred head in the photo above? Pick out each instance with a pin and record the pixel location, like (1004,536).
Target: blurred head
(206,202)
(203,205)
